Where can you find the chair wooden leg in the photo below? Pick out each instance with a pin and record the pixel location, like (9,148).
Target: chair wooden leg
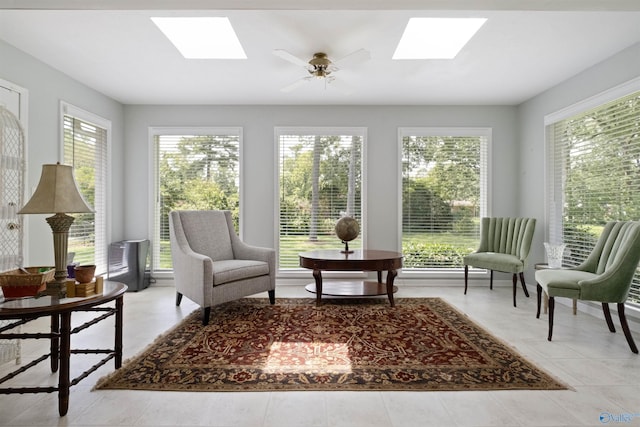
(491,280)
(539,289)
(552,304)
(515,282)
(524,286)
(466,277)
(206,313)
(625,328)
(178,298)
(272,297)
(607,316)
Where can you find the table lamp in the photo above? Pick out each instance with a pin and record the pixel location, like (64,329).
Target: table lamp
(57,193)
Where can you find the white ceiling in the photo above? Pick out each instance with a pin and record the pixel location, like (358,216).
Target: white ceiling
(515,55)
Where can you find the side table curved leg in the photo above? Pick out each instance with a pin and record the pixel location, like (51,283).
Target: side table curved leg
(55,342)
(118,336)
(317,275)
(65,353)
(391,275)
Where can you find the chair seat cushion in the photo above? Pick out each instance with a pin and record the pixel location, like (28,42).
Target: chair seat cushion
(495,261)
(562,283)
(237,269)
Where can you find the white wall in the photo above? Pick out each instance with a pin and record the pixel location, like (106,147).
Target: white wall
(258,124)
(47,87)
(618,69)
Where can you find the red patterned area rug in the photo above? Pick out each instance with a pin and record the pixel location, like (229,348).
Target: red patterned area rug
(346,344)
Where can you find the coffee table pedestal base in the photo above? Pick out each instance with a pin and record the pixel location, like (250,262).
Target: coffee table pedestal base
(351,288)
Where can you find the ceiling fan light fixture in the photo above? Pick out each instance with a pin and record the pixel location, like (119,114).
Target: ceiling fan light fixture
(320,65)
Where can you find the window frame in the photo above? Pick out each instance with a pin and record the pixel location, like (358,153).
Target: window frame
(68,109)
(154,229)
(324,131)
(485,188)
(553,191)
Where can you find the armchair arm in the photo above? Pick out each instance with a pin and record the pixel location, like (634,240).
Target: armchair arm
(242,250)
(611,286)
(193,272)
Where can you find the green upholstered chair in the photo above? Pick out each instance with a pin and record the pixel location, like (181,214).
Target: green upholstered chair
(504,246)
(605,276)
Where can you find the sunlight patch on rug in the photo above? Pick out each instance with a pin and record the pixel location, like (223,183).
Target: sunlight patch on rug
(345,344)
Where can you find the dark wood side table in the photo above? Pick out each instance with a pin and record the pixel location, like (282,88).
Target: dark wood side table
(358,260)
(25,310)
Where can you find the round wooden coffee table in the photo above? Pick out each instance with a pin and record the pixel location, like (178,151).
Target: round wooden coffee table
(358,260)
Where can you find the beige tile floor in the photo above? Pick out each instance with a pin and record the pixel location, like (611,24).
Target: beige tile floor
(598,365)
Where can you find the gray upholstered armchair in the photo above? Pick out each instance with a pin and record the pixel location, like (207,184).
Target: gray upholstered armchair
(605,276)
(212,265)
(504,246)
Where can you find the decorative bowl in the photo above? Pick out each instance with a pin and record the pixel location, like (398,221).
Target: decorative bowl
(84,273)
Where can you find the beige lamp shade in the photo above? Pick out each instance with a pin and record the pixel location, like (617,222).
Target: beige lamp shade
(57,192)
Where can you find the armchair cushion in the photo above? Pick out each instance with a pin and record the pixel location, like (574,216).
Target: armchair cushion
(494,261)
(208,234)
(227,271)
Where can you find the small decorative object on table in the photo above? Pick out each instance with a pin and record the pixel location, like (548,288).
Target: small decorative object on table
(347,229)
(84,285)
(554,254)
(25,282)
(84,273)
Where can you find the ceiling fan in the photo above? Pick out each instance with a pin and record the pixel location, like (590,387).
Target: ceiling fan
(320,66)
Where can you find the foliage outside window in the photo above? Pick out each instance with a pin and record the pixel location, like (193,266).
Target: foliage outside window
(444,188)
(594,176)
(85,149)
(320,180)
(195,170)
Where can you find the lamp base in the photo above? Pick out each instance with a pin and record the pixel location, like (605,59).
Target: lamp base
(55,289)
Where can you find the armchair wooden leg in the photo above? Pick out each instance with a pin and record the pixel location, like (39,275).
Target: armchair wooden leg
(552,304)
(539,289)
(178,298)
(524,286)
(491,280)
(625,328)
(607,316)
(515,282)
(466,277)
(206,313)
(272,297)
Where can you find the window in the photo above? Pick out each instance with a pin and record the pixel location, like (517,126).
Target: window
(593,170)
(194,169)
(443,195)
(320,180)
(85,145)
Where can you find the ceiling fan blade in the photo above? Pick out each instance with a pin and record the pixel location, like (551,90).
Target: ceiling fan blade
(290,57)
(295,85)
(358,56)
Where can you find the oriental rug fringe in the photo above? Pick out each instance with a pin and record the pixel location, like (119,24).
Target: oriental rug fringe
(421,344)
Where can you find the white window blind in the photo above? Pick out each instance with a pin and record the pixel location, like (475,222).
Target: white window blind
(320,180)
(194,169)
(594,176)
(85,148)
(443,195)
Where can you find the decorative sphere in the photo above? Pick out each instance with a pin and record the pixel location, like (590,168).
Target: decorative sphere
(347,228)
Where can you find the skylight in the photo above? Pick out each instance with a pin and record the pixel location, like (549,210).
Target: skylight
(202,37)
(436,38)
